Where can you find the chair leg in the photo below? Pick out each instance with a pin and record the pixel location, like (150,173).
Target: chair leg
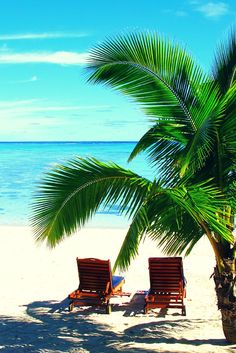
(145,309)
(71,306)
(184,311)
(108,308)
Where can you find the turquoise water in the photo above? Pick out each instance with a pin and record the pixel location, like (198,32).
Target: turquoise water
(22,165)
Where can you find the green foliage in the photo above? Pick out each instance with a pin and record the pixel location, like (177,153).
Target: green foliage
(191,144)
(71,194)
(174,219)
(224,65)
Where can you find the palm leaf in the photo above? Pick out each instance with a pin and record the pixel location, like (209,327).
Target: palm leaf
(169,148)
(224,69)
(227,129)
(129,248)
(181,214)
(221,163)
(160,76)
(164,146)
(169,87)
(175,219)
(71,194)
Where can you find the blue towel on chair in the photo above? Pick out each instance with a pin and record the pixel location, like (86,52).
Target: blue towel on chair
(116,280)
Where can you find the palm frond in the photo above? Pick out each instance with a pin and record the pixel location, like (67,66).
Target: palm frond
(170,134)
(221,163)
(203,142)
(164,146)
(169,87)
(227,129)
(224,70)
(129,248)
(181,215)
(175,219)
(175,151)
(71,194)
(158,75)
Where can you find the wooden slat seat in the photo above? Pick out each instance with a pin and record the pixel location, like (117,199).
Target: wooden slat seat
(167,284)
(96,284)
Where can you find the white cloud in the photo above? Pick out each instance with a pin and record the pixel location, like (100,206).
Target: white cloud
(59,57)
(33,79)
(17,108)
(214,9)
(38,114)
(181,13)
(16,103)
(45,120)
(46,35)
(178,13)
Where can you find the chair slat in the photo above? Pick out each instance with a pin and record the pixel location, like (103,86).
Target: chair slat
(166,284)
(95,284)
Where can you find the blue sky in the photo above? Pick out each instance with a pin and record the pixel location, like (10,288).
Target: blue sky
(43,49)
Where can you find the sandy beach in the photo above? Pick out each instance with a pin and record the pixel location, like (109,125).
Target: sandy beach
(35,282)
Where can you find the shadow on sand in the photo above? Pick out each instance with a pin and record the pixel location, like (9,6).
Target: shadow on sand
(48,327)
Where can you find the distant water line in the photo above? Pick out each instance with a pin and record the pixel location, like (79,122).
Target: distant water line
(23,164)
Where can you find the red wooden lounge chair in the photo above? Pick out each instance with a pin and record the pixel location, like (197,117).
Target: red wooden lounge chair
(96,284)
(167,284)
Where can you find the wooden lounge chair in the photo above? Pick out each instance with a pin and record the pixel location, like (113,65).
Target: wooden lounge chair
(167,284)
(96,284)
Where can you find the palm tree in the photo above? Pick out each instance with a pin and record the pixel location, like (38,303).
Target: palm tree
(191,143)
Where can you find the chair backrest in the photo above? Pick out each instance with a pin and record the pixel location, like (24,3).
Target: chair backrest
(166,274)
(94,274)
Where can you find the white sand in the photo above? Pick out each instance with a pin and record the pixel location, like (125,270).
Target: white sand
(35,282)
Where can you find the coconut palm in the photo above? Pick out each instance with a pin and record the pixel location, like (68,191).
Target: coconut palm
(191,148)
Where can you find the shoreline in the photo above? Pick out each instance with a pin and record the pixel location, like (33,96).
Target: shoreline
(99,221)
(37,281)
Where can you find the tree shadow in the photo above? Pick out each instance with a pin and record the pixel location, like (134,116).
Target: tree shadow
(164,332)
(49,327)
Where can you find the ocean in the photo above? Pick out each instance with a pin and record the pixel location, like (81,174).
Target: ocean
(23,163)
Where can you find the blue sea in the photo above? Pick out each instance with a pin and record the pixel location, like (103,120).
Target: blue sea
(23,163)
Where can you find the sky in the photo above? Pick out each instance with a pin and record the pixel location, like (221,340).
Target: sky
(44,93)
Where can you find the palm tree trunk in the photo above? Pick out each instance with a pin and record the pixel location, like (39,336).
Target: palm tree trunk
(226,297)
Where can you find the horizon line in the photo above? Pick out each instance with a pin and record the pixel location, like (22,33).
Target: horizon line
(68,141)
